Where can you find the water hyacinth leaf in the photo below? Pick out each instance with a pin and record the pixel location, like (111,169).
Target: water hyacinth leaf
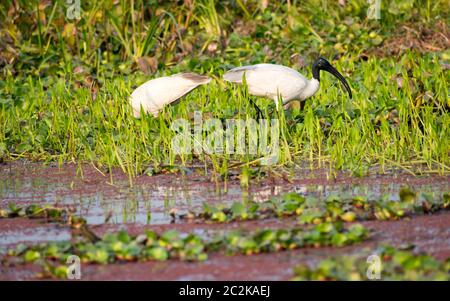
(253,207)
(357,232)
(157,253)
(31,209)
(239,210)
(18,250)
(311,216)
(315,211)
(117,246)
(333,199)
(60,271)
(446,199)
(348,216)
(325,227)
(407,195)
(397,264)
(31,256)
(123,236)
(53,213)
(170,235)
(202,257)
(207,209)
(171,239)
(339,239)
(219,216)
(52,251)
(131,252)
(101,256)
(289,208)
(247,245)
(266,237)
(151,237)
(293,197)
(360,202)
(14,210)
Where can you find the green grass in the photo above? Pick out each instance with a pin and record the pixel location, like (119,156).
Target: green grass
(49,112)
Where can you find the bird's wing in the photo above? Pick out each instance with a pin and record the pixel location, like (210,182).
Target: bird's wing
(176,86)
(155,94)
(269,80)
(235,75)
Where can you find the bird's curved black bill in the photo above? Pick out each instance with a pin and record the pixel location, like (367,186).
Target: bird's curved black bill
(339,76)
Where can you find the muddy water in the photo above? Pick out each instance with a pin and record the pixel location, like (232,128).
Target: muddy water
(150,199)
(148,202)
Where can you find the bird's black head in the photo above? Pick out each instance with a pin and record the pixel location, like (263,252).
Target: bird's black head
(322,64)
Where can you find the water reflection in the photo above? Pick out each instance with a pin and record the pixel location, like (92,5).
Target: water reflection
(150,203)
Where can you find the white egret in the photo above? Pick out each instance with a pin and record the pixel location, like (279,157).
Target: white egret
(272,81)
(153,95)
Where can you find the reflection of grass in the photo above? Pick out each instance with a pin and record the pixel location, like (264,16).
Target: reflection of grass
(395,264)
(328,230)
(50,213)
(64,86)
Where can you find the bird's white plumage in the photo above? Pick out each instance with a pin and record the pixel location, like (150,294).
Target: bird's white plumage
(156,93)
(270,80)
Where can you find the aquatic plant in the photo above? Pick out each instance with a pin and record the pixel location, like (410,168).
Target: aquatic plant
(394,264)
(332,209)
(122,247)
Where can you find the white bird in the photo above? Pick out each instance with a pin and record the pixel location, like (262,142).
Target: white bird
(272,81)
(153,95)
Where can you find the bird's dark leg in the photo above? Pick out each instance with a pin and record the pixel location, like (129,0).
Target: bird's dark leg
(260,114)
(302,105)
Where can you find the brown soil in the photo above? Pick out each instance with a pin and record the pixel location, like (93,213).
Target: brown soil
(418,37)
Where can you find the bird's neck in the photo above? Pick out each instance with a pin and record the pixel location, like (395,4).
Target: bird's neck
(310,89)
(316,72)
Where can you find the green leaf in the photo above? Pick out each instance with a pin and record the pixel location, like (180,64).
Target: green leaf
(101,256)
(348,216)
(170,235)
(31,209)
(407,195)
(60,272)
(339,239)
(31,255)
(294,197)
(238,210)
(219,216)
(325,228)
(14,210)
(123,237)
(157,253)
(207,209)
(152,237)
